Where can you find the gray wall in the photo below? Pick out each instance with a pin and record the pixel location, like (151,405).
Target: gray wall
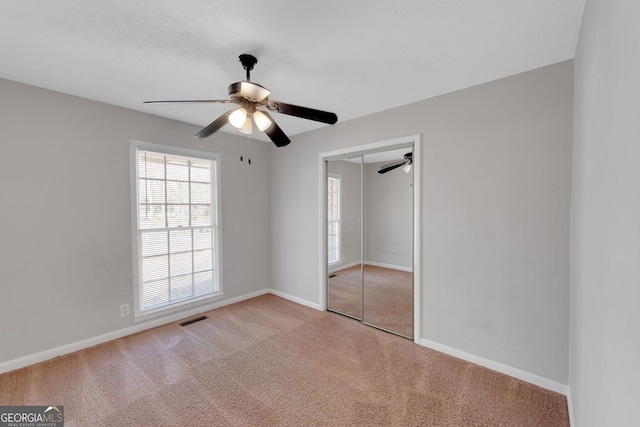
(388,217)
(495,215)
(496,182)
(65,256)
(605,218)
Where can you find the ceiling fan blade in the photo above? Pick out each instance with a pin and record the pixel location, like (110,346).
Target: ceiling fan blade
(275,133)
(215,125)
(303,112)
(408,158)
(391,166)
(192,101)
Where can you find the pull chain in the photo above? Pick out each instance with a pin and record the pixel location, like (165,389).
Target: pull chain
(248,147)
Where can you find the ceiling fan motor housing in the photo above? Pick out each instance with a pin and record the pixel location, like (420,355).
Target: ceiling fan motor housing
(248,91)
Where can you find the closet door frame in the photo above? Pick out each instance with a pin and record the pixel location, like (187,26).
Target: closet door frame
(401,142)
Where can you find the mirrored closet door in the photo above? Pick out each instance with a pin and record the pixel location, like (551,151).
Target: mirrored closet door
(344,236)
(370,239)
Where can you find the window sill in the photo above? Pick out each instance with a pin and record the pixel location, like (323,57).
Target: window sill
(176,307)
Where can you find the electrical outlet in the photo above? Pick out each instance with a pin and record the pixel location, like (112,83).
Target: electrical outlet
(124,310)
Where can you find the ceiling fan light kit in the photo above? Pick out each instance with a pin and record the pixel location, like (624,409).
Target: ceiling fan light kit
(262,121)
(247,127)
(250,96)
(238,117)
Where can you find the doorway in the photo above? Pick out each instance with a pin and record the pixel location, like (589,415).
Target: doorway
(370,234)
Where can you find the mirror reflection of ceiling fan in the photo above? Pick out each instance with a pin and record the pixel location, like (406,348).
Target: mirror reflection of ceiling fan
(405,163)
(253,99)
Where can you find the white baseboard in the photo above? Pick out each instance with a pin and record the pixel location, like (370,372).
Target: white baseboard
(42,356)
(389,266)
(373,263)
(570,408)
(497,366)
(295,299)
(90,342)
(344,266)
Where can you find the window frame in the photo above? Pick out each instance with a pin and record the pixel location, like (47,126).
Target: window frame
(338,178)
(134,147)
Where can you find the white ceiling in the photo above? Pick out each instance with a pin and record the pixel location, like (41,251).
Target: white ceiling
(351,57)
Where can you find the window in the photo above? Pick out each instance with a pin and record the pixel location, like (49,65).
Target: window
(333,219)
(176,222)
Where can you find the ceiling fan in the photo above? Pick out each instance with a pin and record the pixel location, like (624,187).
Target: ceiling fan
(249,96)
(406,163)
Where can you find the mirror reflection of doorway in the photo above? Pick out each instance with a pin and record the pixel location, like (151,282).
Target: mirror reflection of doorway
(344,236)
(370,239)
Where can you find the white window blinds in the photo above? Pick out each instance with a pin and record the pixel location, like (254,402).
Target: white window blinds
(177,226)
(333,220)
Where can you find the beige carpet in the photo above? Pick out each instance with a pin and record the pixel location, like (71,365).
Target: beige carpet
(388,297)
(268,361)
